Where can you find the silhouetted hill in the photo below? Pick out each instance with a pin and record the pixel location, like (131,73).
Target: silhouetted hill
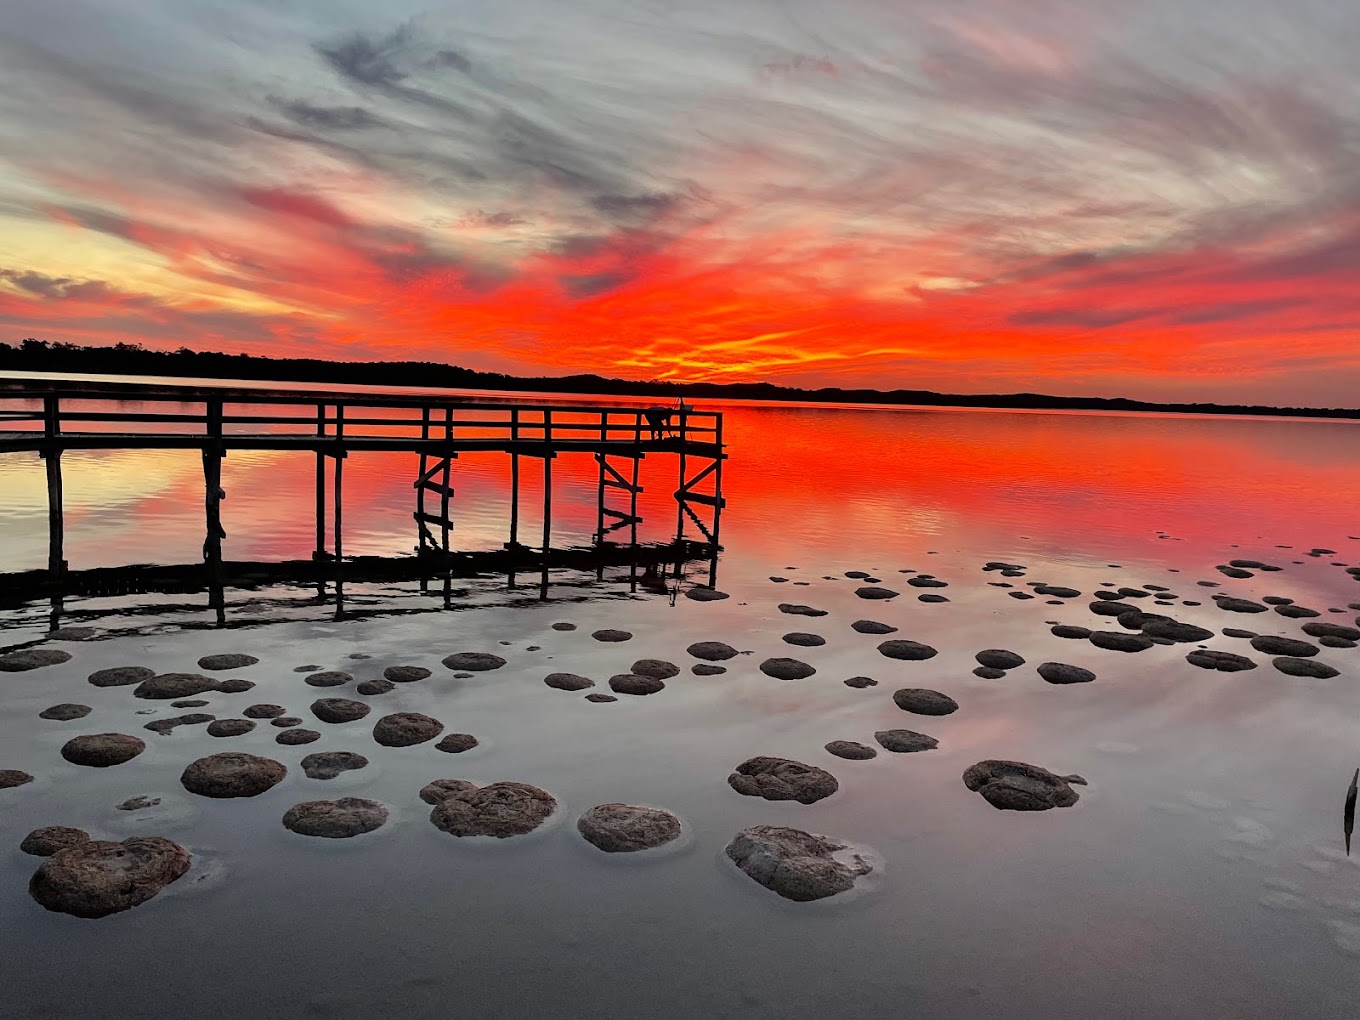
(132,359)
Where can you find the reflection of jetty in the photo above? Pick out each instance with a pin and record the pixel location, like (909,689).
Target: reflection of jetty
(51,417)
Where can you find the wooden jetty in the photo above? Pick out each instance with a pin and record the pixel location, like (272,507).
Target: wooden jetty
(50,417)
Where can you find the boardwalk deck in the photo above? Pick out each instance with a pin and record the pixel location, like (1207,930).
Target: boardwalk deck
(52,417)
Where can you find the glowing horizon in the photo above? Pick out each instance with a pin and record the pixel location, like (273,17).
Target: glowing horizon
(1094,198)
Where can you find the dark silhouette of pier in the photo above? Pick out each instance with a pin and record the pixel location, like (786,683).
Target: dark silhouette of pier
(51,417)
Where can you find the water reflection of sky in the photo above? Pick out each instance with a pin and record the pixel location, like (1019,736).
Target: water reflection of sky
(1199,876)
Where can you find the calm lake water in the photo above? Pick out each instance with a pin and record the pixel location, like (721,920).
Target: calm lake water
(1201,874)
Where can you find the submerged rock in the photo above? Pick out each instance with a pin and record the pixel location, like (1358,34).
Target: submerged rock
(923,701)
(329,764)
(234,686)
(230,727)
(898,648)
(65,712)
(1238,632)
(328,678)
(1225,662)
(100,877)
(1067,630)
(437,789)
(189,703)
(712,651)
(707,669)
(233,774)
(379,686)
(335,819)
(230,660)
(851,750)
(476,662)
(283,721)
(501,810)
(905,741)
(871,592)
(923,581)
(10,778)
(660,669)
(1324,629)
(999,658)
(627,828)
(782,779)
(139,803)
(804,640)
(790,609)
(872,627)
(612,636)
(797,865)
(931,598)
(861,682)
(1119,641)
(120,676)
(988,673)
(1304,667)
(1236,605)
(169,686)
(1057,591)
(49,839)
(264,711)
(568,681)
(786,669)
(564,626)
(601,699)
(405,674)
(32,658)
(1065,673)
(1175,630)
(101,750)
(1016,786)
(456,743)
(339,710)
(631,683)
(165,726)
(403,729)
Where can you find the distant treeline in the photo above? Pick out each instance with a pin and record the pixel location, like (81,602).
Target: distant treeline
(133,359)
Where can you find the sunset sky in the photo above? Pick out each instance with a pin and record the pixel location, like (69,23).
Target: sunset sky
(1152,198)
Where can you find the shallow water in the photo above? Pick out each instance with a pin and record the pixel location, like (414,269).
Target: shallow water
(1200,874)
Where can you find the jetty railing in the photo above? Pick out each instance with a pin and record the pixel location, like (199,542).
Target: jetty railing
(52,417)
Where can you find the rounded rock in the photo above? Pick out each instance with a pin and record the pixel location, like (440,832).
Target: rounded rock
(476,662)
(851,750)
(804,640)
(1325,629)
(456,743)
(437,789)
(10,778)
(1067,630)
(120,676)
(860,682)
(782,779)
(797,865)
(712,651)
(500,810)
(230,727)
(988,673)
(231,660)
(378,686)
(627,828)
(1304,667)
(100,877)
(1065,673)
(568,681)
(328,678)
(659,669)
(1273,645)
(873,593)
(339,710)
(49,839)
(329,764)
(32,658)
(612,636)
(335,819)
(405,674)
(999,658)
(923,701)
(872,627)
(102,750)
(170,686)
(601,699)
(908,650)
(233,774)
(264,711)
(705,595)
(283,721)
(1017,786)
(790,609)
(404,729)
(707,669)
(1118,641)
(786,669)
(564,626)
(1225,662)
(631,683)
(65,712)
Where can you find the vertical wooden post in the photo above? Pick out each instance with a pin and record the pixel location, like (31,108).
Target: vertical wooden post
(718,503)
(56,504)
(338,498)
(599,497)
(420,498)
(633,534)
(320,551)
(680,512)
(548,454)
(213,452)
(513,545)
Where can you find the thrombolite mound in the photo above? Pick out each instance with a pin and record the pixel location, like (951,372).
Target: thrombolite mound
(712,651)
(705,595)
(795,864)
(1120,641)
(1064,673)
(611,636)
(782,779)
(1225,662)
(1296,612)
(164,726)
(804,640)
(925,581)
(329,764)
(898,648)
(230,727)
(375,686)
(283,721)
(299,735)
(405,674)
(632,683)
(65,712)
(120,676)
(10,778)
(403,729)
(456,743)
(791,609)
(335,819)
(339,710)
(50,839)
(659,669)
(786,669)
(627,828)
(264,711)
(99,877)
(872,592)
(999,658)
(232,774)
(905,741)
(923,701)
(1067,630)
(1175,630)
(437,789)
(988,673)
(931,598)
(1304,667)
(169,686)
(1273,645)
(1016,786)
(234,686)
(860,682)
(600,699)
(24,659)
(707,669)
(1236,605)
(229,660)
(568,681)
(501,810)
(101,750)
(851,750)
(873,627)
(476,662)
(328,678)
(564,626)
(1325,629)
